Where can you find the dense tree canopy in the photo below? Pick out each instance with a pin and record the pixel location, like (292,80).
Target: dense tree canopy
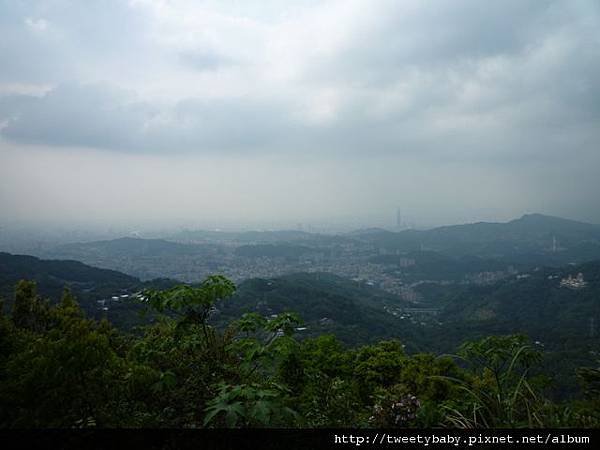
(60,369)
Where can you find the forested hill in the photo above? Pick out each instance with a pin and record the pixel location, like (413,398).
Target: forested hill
(355,312)
(562,318)
(533,237)
(89,284)
(52,275)
(539,302)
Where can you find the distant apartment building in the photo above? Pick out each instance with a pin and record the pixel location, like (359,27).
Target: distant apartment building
(572,282)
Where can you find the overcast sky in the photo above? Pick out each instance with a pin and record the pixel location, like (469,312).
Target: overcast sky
(271,113)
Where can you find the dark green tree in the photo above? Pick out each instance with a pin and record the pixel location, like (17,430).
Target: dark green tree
(30,311)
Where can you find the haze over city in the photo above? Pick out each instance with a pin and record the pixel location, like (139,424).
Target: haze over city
(273,114)
(249,224)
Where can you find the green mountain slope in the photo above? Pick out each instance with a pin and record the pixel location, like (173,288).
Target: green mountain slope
(563,320)
(101,292)
(356,313)
(533,238)
(53,275)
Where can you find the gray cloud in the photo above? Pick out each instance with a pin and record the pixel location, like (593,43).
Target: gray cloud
(449,87)
(101,116)
(205,60)
(439,36)
(74,115)
(411,78)
(63,40)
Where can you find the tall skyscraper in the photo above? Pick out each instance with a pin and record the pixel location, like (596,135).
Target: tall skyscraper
(398,219)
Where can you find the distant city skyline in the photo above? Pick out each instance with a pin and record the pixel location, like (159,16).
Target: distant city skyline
(343,225)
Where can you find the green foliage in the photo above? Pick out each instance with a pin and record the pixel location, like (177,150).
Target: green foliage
(190,301)
(60,369)
(64,374)
(331,401)
(250,406)
(590,377)
(501,391)
(505,357)
(319,374)
(327,304)
(29,310)
(263,343)
(379,365)
(589,408)
(188,363)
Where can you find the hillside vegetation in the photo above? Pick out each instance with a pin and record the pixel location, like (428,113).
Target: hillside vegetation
(59,369)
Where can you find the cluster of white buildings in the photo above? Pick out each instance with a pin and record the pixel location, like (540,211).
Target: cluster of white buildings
(573,282)
(102,304)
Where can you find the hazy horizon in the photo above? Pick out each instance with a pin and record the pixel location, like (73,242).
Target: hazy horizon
(84,232)
(261,115)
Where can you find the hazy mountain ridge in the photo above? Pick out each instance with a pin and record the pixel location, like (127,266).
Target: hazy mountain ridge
(130,246)
(560,240)
(240,237)
(146,259)
(446,253)
(89,284)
